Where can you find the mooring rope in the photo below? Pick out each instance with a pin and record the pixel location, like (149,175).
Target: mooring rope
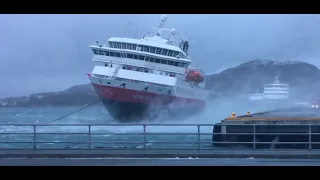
(75,111)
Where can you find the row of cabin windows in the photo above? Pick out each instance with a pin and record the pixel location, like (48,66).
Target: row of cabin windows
(148,71)
(275,93)
(149,49)
(141,57)
(276,86)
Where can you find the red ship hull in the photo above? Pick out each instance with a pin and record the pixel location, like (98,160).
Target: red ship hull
(127,105)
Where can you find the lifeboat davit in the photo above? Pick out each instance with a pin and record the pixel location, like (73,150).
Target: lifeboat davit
(194,76)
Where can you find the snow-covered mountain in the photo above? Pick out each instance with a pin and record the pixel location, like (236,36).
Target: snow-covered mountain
(250,76)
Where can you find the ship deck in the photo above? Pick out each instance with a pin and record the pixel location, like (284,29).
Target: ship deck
(283,116)
(289,128)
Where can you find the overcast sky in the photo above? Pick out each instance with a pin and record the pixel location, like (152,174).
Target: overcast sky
(50,52)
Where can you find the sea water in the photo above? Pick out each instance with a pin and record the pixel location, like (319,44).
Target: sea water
(116,136)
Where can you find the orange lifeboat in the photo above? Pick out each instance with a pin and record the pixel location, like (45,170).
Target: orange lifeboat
(194,76)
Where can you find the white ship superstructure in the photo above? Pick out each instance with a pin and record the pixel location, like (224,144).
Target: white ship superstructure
(275,91)
(135,74)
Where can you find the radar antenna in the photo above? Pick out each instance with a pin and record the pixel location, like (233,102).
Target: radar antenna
(173,33)
(163,18)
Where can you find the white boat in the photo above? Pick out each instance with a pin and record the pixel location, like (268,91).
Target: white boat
(136,78)
(275,93)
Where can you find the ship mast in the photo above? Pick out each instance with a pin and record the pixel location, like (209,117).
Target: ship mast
(161,25)
(276,80)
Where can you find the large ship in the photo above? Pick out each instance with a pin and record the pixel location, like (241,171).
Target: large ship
(274,95)
(141,78)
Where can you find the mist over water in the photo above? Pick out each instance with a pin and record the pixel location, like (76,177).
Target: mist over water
(216,110)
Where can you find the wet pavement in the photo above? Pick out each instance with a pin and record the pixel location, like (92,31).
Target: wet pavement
(159,162)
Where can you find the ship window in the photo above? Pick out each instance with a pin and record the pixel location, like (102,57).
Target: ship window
(117,54)
(94,51)
(119,45)
(123,55)
(152,49)
(131,46)
(183,65)
(123,45)
(134,46)
(170,62)
(111,53)
(140,47)
(157,60)
(158,51)
(167,74)
(146,48)
(101,52)
(164,61)
(130,56)
(147,58)
(107,53)
(111,44)
(151,59)
(170,53)
(164,52)
(175,54)
(115,45)
(135,56)
(181,55)
(177,63)
(141,57)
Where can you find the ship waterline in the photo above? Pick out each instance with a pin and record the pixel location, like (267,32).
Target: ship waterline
(132,105)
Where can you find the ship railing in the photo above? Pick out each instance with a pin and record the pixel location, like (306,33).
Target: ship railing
(149,136)
(102,76)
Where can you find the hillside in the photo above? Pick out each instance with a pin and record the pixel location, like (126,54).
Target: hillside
(75,95)
(304,80)
(250,77)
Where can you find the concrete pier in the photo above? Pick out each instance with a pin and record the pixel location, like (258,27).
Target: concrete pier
(223,153)
(159,162)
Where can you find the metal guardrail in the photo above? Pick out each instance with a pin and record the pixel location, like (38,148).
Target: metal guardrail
(106,136)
